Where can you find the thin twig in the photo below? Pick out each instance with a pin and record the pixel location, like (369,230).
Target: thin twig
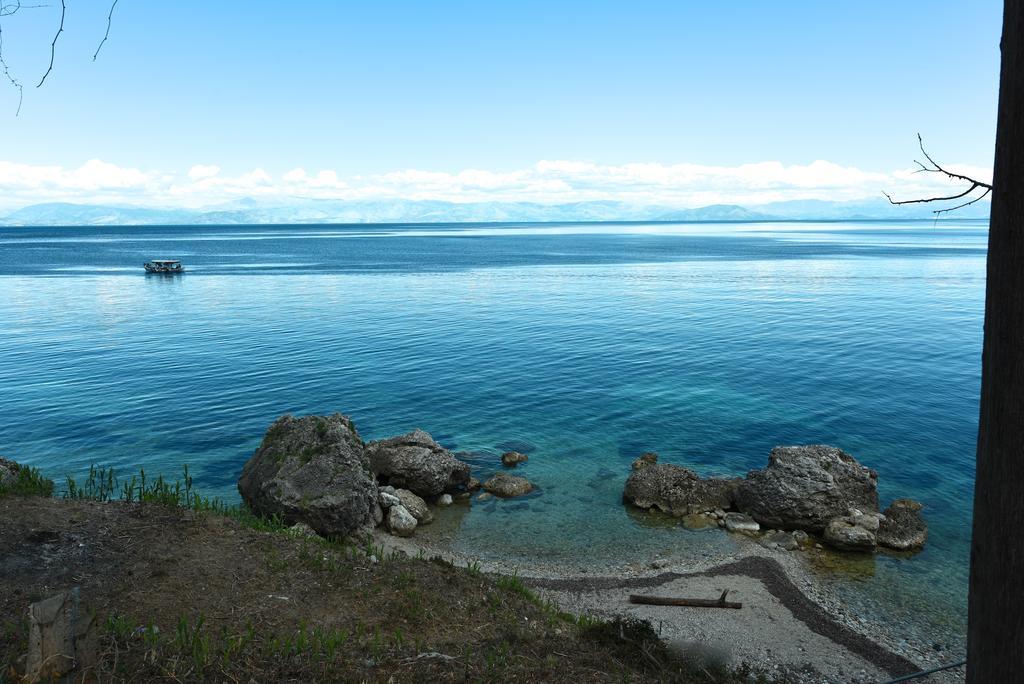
(106,35)
(7,74)
(935,199)
(936,168)
(965,204)
(939,169)
(53,45)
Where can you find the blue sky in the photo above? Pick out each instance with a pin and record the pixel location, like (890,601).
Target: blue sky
(353,93)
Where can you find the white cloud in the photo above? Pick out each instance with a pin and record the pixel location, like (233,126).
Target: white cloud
(203,171)
(549,181)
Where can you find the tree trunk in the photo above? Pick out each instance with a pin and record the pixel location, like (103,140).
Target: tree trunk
(995,648)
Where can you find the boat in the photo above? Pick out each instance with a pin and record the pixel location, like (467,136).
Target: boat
(163,266)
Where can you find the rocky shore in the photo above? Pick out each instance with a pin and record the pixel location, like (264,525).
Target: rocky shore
(807,498)
(317,471)
(805,495)
(316,475)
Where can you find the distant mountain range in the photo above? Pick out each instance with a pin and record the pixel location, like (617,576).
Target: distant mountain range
(299,211)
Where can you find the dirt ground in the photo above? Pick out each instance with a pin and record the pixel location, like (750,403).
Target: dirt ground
(186,596)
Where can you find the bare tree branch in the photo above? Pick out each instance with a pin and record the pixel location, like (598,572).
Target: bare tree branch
(106,35)
(53,45)
(7,74)
(938,169)
(935,168)
(965,204)
(13,7)
(935,199)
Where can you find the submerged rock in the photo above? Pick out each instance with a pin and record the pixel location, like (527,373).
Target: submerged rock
(698,521)
(738,522)
(510,459)
(400,521)
(314,470)
(676,490)
(903,528)
(647,458)
(444,500)
(505,485)
(780,539)
(805,487)
(416,462)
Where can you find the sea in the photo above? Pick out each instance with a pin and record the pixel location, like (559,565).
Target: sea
(582,344)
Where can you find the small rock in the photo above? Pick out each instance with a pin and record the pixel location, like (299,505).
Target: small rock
(780,539)
(845,535)
(388,499)
(8,472)
(660,563)
(801,537)
(510,459)
(301,529)
(869,521)
(417,506)
(505,485)
(484,496)
(740,522)
(62,638)
(903,528)
(698,521)
(401,522)
(473,485)
(647,458)
(444,500)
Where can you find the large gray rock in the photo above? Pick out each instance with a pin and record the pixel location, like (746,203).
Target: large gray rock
(314,470)
(505,485)
(903,528)
(416,462)
(804,487)
(676,490)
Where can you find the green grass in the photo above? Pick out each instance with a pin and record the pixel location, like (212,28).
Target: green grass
(103,484)
(29,482)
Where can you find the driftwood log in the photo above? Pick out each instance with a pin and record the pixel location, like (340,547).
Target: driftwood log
(720,602)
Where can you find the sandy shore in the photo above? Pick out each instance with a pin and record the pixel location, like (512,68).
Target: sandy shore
(789,625)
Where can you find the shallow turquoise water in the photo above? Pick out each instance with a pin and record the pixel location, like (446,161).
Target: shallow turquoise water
(708,343)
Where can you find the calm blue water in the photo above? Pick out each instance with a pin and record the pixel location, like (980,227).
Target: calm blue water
(708,343)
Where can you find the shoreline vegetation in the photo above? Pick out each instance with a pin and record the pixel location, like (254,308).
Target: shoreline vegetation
(178,586)
(184,588)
